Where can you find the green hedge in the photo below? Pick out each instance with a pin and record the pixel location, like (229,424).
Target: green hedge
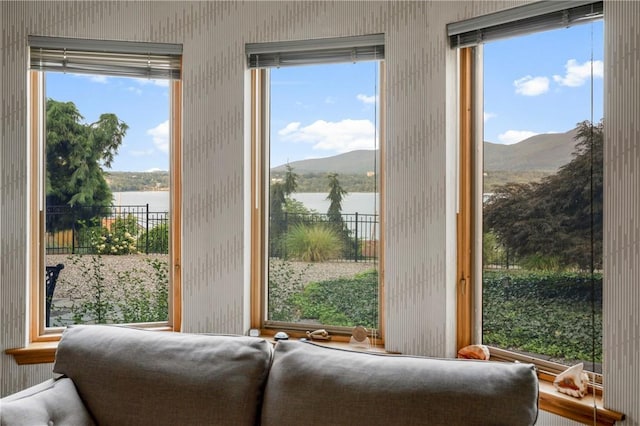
(342,302)
(543,313)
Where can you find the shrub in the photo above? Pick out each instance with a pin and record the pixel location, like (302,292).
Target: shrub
(118,237)
(104,296)
(93,301)
(342,302)
(544,313)
(492,252)
(313,243)
(541,262)
(156,240)
(144,301)
(284,284)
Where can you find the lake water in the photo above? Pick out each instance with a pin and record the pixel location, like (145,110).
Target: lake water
(158,200)
(356,202)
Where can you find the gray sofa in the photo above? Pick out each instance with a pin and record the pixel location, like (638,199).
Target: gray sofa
(121,376)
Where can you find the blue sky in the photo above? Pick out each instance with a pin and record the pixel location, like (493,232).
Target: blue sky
(533,84)
(141,103)
(541,83)
(323,110)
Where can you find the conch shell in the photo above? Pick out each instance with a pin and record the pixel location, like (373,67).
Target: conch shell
(321,334)
(573,381)
(474,352)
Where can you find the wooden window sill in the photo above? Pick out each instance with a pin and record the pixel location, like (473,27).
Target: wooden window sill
(550,400)
(34,353)
(44,350)
(339,344)
(580,410)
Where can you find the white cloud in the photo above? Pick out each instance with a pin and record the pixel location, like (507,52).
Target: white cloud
(577,74)
(102,79)
(367,99)
(154,81)
(141,152)
(135,90)
(531,86)
(98,79)
(160,135)
(488,116)
(289,128)
(330,100)
(340,136)
(514,136)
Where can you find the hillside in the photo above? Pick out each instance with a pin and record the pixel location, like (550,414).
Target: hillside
(137,181)
(544,153)
(354,162)
(530,159)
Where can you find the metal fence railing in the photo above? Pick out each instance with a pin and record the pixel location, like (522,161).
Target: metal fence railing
(359,234)
(135,229)
(106,229)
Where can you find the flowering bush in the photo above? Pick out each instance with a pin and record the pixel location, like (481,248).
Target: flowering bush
(117,237)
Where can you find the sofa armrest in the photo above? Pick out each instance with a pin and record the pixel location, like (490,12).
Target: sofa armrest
(52,402)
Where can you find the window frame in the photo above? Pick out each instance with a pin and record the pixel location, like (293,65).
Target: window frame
(260,128)
(588,410)
(40,336)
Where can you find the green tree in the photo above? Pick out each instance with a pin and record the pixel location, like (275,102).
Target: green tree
(560,216)
(290,181)
(283,210)
(75,156)
(336,194)
(334,214)
(277,223)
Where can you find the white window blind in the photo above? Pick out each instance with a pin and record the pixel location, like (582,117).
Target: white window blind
(538,16)
(105,57)
(318,51)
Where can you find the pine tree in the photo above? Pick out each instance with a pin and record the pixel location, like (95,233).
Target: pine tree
(336,194)
(75,156)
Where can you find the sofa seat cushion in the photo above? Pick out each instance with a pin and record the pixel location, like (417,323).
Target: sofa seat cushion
(314,385)
(139,377)
(54,402)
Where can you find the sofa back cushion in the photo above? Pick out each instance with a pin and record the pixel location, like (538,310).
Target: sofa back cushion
(138,377)
(314,385)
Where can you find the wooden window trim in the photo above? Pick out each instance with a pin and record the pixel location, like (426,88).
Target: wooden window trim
(464,289)
(175,254)
(42,342)
(259,82)
(588,410)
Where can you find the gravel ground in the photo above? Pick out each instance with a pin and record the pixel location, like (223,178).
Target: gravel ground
(76,277)
(72,276)
(330,270)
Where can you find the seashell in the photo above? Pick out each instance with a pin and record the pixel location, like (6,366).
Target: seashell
(573,381)
(474,352)
(321,334)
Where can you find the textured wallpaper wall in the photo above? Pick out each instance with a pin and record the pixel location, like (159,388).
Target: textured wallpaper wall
(621,293)
(419,165)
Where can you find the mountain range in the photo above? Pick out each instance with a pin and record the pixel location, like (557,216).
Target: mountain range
(544,153)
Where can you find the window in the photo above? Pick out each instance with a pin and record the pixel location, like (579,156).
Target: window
(531,189)
(316,213)
(105,121)
(542,209)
